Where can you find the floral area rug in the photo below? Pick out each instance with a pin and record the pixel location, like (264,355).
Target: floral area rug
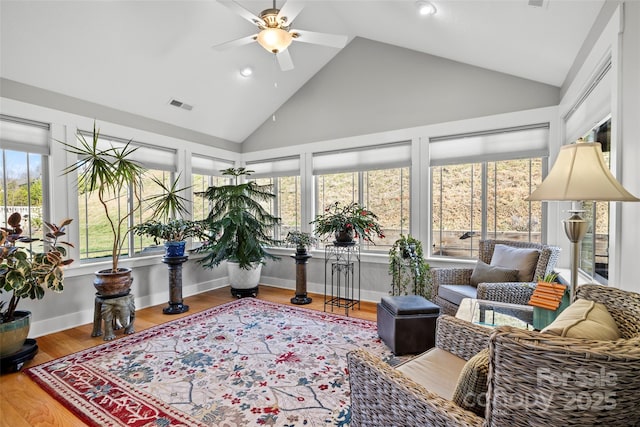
(244,363)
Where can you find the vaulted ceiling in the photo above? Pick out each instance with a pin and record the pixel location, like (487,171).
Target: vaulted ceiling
(136,56)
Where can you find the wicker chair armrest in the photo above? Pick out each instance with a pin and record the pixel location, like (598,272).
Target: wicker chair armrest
(462,338)
(561,381)
(383,396)
(509,292)
(451,276)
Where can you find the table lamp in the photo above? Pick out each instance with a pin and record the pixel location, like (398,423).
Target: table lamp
(580,174)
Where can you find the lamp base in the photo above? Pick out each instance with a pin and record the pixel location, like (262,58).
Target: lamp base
(575,227)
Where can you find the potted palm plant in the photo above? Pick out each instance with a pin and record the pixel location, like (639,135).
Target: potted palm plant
(166,223)
(239,229)
(25,273)
(109,171)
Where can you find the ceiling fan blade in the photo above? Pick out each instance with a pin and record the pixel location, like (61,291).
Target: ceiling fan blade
(236,43)
(289,11)
(284,60)
(332,40)
(249,16)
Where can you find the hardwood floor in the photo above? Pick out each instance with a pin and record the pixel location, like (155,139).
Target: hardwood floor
(23,403)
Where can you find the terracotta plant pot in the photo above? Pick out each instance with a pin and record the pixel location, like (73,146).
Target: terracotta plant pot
(108,283)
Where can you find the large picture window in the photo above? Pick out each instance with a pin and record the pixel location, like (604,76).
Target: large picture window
(485,198)
(23,162)
(594,253)
(95,233)
(206,172)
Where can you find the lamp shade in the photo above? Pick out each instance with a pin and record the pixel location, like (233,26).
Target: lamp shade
(580,173)
(274,40)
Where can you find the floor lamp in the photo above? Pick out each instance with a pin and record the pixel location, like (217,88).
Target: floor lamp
(580,174)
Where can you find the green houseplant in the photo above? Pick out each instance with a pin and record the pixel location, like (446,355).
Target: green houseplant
(409,271)
(109,171)
(25,273)
(346,222)
(166,224)
(239,230)
(301,240)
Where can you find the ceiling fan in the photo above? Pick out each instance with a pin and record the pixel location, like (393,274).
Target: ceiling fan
(275,34)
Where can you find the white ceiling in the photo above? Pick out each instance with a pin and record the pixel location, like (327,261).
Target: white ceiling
(137,55)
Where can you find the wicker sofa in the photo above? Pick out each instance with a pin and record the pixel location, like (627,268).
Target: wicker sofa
(457,281)
(534,379)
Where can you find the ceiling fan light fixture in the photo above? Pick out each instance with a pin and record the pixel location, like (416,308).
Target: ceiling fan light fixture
(426,8)
(274,40)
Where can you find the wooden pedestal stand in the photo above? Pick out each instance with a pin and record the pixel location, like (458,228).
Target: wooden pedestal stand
(176,305)
(301,297)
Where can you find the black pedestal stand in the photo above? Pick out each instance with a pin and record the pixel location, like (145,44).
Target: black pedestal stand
(15,361)
(301,297)
(174,263)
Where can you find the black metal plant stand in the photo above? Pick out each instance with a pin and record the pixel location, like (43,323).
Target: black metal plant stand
(174,264)
(301,257)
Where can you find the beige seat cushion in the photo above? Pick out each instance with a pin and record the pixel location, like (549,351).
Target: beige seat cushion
(484,273)
(525,260)
(471,389)
(585,319)
(437,370)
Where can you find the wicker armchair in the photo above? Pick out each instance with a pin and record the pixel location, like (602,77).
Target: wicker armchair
(534,379)
(511,292)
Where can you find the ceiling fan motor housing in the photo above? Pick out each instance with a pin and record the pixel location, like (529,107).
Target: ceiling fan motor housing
(270,18)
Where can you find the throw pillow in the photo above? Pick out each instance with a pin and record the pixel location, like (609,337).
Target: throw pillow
(524,260)
(585,319)
(471,389)
(484,273)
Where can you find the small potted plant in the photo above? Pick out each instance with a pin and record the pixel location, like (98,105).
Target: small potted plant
(301,240)
(409,271)
(26,273)
(345,222)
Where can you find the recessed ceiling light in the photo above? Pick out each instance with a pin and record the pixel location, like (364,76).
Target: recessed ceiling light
(246,71)
(426,8)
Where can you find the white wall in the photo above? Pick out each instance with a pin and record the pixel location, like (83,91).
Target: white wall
(372,87)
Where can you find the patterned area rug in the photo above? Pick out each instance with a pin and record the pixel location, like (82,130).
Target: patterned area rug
(245,363)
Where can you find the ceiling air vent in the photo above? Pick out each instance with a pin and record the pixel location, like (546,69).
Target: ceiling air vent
(180,104)
(536,3)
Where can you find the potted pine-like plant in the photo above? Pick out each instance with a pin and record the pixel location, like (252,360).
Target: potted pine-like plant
(109,172)
(239,230)
(28,266)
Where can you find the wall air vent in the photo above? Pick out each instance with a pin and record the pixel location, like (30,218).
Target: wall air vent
(180,104)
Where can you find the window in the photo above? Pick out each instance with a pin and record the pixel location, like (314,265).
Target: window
(95,230)
(594,252)
(479,183)
(206,173)
(376,177)
(23,161)
(283,174)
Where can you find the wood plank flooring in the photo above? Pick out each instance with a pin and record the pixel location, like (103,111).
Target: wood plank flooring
(23,403)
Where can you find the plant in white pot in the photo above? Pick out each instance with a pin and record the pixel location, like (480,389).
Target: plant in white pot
(28,266)
(240,230)
(109,172)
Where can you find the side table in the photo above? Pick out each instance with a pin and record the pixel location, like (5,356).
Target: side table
(342,284)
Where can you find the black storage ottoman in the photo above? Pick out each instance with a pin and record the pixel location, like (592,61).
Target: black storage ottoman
(407,323)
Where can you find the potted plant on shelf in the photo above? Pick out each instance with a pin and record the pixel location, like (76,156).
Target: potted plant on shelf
(166,224)
(345,222)
(26,272)
(109,172)
(239,228)
(408,268)
(301,240)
